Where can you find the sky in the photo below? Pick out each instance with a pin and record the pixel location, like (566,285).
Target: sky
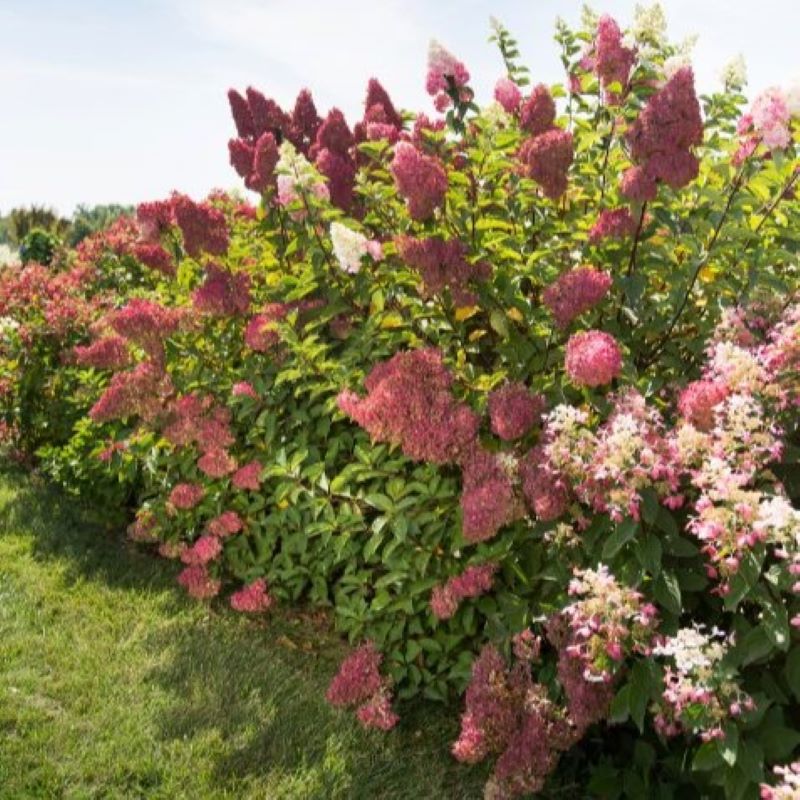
(119,101)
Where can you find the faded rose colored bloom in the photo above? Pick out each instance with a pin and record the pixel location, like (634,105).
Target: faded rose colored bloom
(514,410)
(358,678)
(205,549)
(612,60)
(409,402)
(661,138)
(488,499)
(186,495)
(110,352)
(377,712)
(198,583)
(538,112)
(226,524)
(445,71)
(443,265)
(153,219)
(576,292)
(216,463)
(617,223)
(544,488)
(420,179)
(253,598)
(593,358)
(248,476)
(472,582)
(261,333)
(137,392)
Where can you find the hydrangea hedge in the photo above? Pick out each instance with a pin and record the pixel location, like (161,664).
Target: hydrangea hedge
(511,390)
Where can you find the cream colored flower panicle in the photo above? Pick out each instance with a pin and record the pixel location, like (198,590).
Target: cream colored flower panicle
(349,247)
(649,24)
(734,73)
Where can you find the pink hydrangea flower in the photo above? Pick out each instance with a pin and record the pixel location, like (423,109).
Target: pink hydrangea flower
(593,358)
(507,93)
(538,112)
(138,392)
(222,293)
(248,476)
(216,463)
(253,598)
(226,524)
(472,582)
(771,118)
(186,495)
(358,678)
(612,60)
(617,223)
(445,71)
(153,255)
(514,410)
(205,549)
(378,713)
(420,180)
(576,292)
(198,583)
(203,226)
(546,158)
(110,352)
(244,389)
(661,138)
(699,399)
(409,402)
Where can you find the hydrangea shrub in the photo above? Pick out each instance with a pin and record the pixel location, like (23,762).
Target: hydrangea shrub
(511,390)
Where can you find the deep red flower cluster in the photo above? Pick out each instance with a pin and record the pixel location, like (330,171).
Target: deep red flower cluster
(146,324)
(576,292)
(226,524)
(203,226)
(661,138)
(248,476)
(222,293)
(443,264)
(421,180)
(409,402)
(261,333)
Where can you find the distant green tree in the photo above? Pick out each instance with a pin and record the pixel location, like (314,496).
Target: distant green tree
(90,219)
(24,220)
(39,245)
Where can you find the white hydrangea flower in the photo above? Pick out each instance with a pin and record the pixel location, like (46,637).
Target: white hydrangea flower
(9,257)
(649,24)
(495,115)
(349,247)
(734,73)
(693,650)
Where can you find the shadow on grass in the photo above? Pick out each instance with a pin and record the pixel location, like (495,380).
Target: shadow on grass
(244,699)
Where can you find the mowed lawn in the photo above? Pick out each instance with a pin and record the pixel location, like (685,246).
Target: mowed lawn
(113,684)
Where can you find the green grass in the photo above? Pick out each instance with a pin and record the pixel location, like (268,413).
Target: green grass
(113,684)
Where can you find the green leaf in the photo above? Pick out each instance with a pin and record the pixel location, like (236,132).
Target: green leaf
(707,757)
(792,671)
(667,591)
(624,532)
